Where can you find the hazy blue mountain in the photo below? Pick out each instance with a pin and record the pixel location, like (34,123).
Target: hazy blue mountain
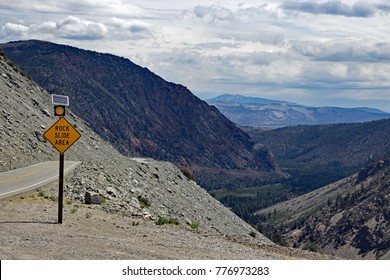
(252,111)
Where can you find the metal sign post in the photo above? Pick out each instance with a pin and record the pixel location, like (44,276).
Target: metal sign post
(61,188)
(62,135)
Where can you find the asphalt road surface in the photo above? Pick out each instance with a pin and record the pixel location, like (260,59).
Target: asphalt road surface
(29,178)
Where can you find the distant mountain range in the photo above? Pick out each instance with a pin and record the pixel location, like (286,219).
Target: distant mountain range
(139,113)
(261,112)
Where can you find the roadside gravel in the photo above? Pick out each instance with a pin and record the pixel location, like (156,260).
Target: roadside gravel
(29,230)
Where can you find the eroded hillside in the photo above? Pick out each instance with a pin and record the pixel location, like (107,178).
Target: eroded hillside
(133,187)
(142,114)
(350,218)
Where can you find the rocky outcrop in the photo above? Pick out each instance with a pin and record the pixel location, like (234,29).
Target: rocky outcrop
(92,198)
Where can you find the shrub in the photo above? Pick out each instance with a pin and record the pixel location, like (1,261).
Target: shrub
(164,220)
(195,225)
(311,247)
(144,201)
(188,174)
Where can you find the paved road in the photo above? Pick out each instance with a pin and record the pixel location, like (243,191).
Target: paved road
(28,178)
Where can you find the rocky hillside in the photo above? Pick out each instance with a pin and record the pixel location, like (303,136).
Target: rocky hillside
(261,112)
(349,219)
(141,114)
(133,187)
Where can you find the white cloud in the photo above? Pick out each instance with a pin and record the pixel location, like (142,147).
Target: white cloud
(213,13)
(123,29)
(45,27)
(345,50)
(332,7)
(313,49)
(13,30)
(75,28)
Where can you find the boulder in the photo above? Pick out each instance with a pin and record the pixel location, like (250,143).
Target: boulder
(93,198)
(111,192)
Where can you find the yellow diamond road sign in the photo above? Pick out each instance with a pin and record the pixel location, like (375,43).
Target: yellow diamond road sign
(62,135)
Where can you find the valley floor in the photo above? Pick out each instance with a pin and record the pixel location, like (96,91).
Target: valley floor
(28,230)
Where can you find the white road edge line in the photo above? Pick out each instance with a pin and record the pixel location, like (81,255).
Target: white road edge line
(39,183)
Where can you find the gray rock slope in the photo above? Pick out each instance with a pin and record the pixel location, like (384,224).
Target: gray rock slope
(130,186)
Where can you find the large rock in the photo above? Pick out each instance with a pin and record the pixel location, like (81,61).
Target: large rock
(93,198)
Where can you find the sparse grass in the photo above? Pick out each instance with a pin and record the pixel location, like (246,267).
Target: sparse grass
(188,174)
(195,225)
(253,234)
(311,247)
(88,215)
(74,209)
(14,67)
(104,201)
(164,220)
(10,63)
(144,201)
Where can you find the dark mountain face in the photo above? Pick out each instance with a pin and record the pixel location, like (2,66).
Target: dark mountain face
(142,114)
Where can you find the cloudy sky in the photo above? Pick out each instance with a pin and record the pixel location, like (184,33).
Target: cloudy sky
(315,52)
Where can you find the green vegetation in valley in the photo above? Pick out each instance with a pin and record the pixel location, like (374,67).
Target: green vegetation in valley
(246,201)
(317,155)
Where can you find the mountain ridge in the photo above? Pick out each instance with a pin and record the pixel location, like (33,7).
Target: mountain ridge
(141,114)
(324,152)
(139,188)
(261,112)
(137,196)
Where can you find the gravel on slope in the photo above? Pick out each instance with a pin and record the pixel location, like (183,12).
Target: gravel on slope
(29,230)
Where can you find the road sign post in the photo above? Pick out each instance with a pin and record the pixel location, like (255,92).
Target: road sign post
(61,189)
(62,135)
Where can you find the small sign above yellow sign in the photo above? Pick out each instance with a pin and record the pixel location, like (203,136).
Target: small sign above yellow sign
(62,135)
